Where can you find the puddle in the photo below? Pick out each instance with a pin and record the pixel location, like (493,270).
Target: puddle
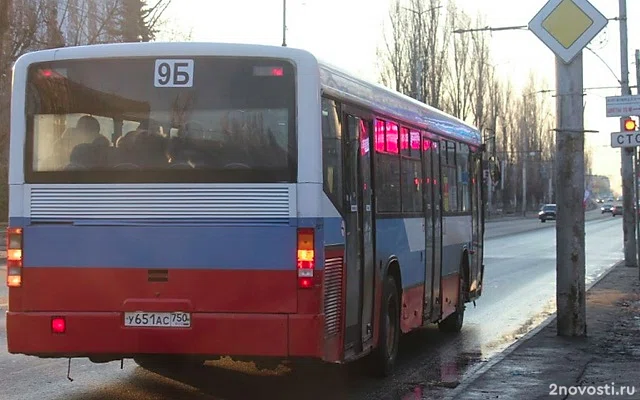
(448,373)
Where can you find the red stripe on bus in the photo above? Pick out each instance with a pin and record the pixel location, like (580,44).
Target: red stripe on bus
(109,289)
(412,307)
(450,289)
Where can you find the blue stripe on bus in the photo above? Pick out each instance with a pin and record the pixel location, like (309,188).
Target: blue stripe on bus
(250,248)
(333,231)
(128,243)
(392,240)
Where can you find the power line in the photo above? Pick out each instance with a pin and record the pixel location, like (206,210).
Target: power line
(492,29)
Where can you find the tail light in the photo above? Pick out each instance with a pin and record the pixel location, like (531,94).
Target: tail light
(306,257)
(14,257)
(58,325)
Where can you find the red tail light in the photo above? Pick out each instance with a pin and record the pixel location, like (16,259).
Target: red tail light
(58,325)
(306,257)
(14,257)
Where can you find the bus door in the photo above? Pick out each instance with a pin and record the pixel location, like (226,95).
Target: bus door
(477,209)
(358,232)
(433,229)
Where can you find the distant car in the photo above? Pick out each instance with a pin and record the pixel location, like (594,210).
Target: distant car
(617,210)
(606,208)
(547,211)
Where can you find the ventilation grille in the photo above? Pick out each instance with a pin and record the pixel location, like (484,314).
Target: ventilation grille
(101,202)
(333,277)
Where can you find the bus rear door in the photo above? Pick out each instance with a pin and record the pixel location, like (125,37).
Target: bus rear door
(359,234)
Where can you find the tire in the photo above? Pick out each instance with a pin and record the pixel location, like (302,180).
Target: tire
(383,358)
(543,220)
(453,323)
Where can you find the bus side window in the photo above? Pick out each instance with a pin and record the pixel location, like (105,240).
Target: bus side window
(387,167)
(411,171)
(462,163)
(332,152)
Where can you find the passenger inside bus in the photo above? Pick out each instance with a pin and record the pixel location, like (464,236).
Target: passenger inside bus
(220,141)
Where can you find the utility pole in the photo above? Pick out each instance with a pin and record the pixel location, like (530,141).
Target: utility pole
(628,179)
(524,177)
(284,23)
(556,27)
(570,253)
(637,166)
(550,174)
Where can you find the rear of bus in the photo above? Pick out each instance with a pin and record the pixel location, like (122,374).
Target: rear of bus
(153,203)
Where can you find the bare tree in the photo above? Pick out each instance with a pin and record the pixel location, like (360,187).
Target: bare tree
(28,25)
(414,56)
(394,54)
(480,76)
(459,88)
(429,52)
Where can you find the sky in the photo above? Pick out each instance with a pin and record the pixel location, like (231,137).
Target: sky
(348,32)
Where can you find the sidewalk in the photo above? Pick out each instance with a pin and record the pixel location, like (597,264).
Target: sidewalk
(610,355)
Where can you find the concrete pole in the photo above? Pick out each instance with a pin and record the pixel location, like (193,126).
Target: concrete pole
(503,172)
(284,23)
(637,165)
(628,179)
(524,180)
(570,253)
(551,175)
(490,192)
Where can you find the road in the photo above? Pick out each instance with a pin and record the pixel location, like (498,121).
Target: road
(519,293)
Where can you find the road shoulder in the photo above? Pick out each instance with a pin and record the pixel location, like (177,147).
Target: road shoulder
(544,361)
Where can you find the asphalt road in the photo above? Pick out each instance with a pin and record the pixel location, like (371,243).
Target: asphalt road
(519,293)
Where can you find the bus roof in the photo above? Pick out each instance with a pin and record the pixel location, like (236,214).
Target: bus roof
(334,81)
(342,84)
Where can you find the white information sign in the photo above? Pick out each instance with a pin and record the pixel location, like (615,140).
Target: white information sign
(173,73)
(625,139)
(623,106)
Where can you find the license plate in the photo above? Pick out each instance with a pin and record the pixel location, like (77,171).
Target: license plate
(158,319)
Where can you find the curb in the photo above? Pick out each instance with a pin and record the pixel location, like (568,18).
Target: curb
(475,373)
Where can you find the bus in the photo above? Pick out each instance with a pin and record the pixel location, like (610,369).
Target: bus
(173,203)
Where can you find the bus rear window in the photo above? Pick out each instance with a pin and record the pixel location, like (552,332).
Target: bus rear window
(198,119)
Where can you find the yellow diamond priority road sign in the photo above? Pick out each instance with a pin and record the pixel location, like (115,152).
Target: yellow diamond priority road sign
(567,26)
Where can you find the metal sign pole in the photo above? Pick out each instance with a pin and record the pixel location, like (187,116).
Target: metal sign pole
(626,154)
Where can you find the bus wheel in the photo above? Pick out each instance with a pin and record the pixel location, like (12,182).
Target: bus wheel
(384,356)
(453,323)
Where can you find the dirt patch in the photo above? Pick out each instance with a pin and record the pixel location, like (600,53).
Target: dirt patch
(605,297)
